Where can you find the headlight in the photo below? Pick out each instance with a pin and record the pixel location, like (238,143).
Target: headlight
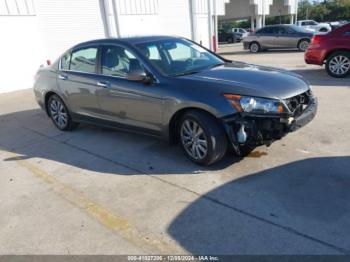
(255,104)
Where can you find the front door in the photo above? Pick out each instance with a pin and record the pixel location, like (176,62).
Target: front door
(132,104)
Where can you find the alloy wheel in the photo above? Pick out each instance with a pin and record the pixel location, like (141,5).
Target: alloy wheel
(339,65)
(254,48)
(304,45)
(58,113)
(194,139)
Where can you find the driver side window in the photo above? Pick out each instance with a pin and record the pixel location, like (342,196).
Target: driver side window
(118,61)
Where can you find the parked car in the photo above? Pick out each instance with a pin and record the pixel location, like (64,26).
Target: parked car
(229,36)
(278,36)
(333,50)
(314,26)
(337,24)
(241,31)
(177,90)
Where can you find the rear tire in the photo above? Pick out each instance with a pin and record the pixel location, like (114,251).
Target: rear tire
(230,40)
(303,45)
(202,138)
(254,47)
(338,64)
(59,114)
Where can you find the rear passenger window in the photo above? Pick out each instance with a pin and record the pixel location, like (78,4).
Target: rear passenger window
(84,60)
(266,30)
(65,60)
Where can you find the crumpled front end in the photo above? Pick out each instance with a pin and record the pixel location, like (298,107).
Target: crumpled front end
(262,129)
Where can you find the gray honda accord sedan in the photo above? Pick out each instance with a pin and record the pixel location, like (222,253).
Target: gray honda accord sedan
(278,37)
(177,90)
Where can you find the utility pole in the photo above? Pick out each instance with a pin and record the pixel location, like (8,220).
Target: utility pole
(263,11)
(296,11)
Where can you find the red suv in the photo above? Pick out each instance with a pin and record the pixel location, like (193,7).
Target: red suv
(333,50)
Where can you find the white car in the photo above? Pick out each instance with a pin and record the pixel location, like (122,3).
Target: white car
(314,26)
(241,31)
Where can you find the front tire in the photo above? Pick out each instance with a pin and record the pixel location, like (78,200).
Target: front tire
(59,114)
(338,64)
(202,138)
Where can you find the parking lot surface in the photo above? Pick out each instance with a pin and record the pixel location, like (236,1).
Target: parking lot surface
(100,191)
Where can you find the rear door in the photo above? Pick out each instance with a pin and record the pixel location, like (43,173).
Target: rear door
(77,80)
(286,37)
(266,37)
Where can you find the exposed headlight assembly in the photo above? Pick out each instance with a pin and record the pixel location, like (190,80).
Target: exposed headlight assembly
(257,105)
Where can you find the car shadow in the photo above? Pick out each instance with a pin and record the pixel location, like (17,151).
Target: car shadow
(31,134)
(301,207)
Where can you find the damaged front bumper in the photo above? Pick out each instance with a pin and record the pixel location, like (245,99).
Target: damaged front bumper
(262,129)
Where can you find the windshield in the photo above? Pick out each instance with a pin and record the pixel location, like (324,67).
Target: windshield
(175,57)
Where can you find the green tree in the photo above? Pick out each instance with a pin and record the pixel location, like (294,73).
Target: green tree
(327,10)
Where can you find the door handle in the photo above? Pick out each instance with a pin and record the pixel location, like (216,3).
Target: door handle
(103,84)
(62,77)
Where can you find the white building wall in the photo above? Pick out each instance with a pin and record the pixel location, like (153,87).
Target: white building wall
(145,17)
(46,28)
(64,23)
(174,17)
(20,52)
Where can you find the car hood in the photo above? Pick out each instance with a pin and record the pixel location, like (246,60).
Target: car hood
(247,79)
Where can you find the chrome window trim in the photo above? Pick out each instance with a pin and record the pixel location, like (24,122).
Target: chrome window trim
(156,80)
(145,67)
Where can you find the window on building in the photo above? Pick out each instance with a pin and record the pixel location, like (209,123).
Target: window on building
(138,7)
(84,60)
(118,61)
(17,8)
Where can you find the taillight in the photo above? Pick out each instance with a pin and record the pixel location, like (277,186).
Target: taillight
(48,62)
(316,39)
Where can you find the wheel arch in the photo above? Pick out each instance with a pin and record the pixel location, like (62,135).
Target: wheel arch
(47,97)
(172,131)
(303,39)
(255,41)
(331,52)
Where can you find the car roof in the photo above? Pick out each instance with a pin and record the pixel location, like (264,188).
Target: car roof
(277,25)
(128,40)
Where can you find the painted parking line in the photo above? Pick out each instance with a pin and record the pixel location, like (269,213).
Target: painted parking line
(105,217)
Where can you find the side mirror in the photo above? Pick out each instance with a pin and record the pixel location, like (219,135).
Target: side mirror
(137,76)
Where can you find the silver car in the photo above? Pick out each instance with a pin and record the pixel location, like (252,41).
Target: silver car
(278,37)
(176,90)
